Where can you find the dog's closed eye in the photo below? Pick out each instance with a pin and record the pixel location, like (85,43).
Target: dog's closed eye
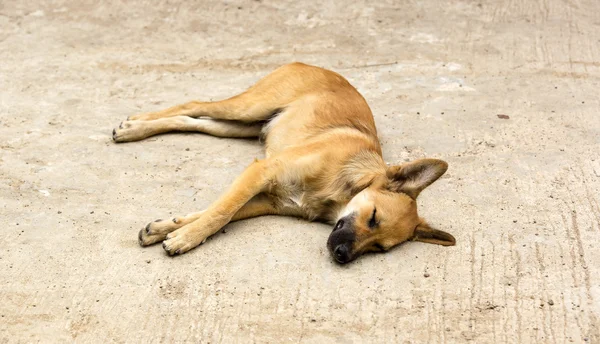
(373,221)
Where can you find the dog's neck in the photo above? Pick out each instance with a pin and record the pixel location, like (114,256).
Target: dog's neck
(358,172)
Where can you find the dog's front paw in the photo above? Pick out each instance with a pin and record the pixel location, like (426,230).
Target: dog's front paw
(157,230)
(145,239)
(181,241)
(161,226)
(130,131)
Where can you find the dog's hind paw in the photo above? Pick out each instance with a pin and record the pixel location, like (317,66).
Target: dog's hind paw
(130,131)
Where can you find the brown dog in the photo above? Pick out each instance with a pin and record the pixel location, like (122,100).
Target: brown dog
(323,163)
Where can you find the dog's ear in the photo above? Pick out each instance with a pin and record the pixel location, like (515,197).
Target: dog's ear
(425,233)
(411,178)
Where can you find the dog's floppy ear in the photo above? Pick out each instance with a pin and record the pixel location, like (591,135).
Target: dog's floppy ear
(411,178)
(425,233)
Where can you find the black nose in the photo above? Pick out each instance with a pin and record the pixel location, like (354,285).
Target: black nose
(338,225)
(341,253)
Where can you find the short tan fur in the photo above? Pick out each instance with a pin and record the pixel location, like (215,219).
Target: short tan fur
(323,163)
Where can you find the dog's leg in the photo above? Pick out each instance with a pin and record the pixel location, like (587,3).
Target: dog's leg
(249,106)
(259,102)
(250,183)
(157,230)
(138,130)
(240,116)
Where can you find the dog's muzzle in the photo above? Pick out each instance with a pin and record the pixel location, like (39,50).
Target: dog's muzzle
(341,240)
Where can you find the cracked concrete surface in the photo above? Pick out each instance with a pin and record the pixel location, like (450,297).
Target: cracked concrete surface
(505,91)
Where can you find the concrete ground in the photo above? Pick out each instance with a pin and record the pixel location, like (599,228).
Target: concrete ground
(506,91)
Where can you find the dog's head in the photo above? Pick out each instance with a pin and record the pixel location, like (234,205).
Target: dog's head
(385,214)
